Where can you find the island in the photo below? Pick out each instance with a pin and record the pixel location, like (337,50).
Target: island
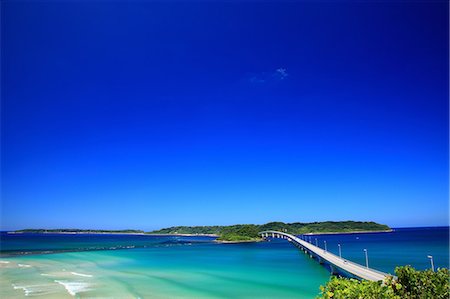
(76,231)
(249,232)
(239,232)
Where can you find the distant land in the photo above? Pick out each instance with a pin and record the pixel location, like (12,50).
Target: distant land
(77,231)
(249,232)
(239,232)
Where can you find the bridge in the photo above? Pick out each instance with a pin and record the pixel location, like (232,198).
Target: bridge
(336,263)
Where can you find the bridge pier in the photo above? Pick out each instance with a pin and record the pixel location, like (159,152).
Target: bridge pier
(320,260)
(333,263)
(333,269)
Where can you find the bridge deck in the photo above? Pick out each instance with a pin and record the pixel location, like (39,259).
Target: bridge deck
(350,267)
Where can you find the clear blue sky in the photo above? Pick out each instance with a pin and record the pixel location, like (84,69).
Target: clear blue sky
(148,114)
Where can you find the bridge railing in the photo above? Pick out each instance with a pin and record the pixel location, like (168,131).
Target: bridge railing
(326,252)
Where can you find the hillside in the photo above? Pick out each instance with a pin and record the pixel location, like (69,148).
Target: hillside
(245,232)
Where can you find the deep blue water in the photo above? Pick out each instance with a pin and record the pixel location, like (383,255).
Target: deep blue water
(403,246)
(195,267)
(28,243)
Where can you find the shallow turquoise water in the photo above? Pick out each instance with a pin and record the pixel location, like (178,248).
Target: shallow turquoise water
(168,267)
(197,271)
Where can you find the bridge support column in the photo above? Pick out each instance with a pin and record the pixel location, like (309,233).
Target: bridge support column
(320,260)
(333,270)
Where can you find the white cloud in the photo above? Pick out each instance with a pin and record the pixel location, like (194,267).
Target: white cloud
(268,77)
(281,73)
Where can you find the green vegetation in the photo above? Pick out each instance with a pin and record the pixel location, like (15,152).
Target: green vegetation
(298,228)
(194,230)
(85,231)
(411,284)
(239,233)
(248,232)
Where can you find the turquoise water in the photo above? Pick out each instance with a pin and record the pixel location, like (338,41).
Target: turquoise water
(168,267)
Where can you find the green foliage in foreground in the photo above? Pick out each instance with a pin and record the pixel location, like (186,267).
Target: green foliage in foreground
(411,284)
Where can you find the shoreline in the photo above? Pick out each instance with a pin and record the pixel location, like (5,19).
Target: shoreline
(195,235)
(237,242)
(185,235)
(350,232)
(113,233)
(76,233)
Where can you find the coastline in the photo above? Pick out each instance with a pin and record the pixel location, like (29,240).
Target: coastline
(113,233)
(237,242)
(350,232)
(184,235)
(196,235)
(77,233)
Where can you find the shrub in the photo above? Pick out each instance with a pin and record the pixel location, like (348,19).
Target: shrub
(411,284)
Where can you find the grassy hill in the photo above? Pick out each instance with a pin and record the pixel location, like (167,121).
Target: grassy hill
(248,232)
(241,232)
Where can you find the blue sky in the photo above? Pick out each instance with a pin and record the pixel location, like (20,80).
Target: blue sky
(148,114)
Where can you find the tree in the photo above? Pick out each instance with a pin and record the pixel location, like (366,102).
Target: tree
(410,283)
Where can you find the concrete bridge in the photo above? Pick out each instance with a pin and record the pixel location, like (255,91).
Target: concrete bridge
(323,256)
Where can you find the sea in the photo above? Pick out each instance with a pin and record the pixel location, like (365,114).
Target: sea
(145,266)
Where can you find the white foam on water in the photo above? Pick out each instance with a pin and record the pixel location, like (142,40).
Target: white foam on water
(45,274)
(4,262)
(81,274)
(25,289)
(74,287)
(24,265)
(29,290)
